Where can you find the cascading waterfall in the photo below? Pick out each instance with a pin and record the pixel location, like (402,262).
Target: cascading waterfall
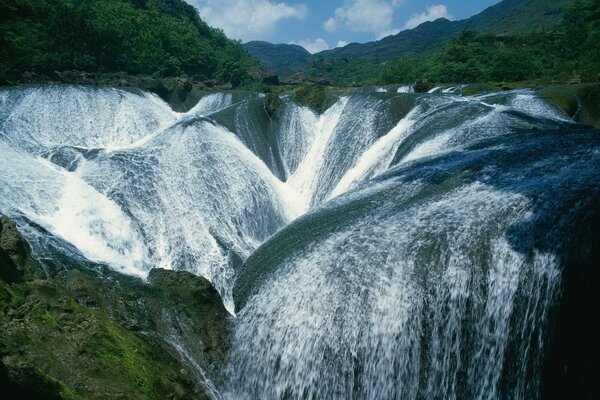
(159,189)
(411,276)
(436,280)
(429,282)
(201,200)
(296,135)
(343,133)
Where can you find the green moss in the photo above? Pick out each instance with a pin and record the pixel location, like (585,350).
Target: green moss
(478,88)
(123,357)
(313,97)
(581,102)
(272,104)
(91,333)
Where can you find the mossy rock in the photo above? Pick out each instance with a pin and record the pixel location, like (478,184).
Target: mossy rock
(581,102)
(314,97)
(479,88)
(273,104)
(422,86)
(15,260)
(86,332)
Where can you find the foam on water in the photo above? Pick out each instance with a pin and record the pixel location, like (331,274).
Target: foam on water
(305,178)
(297,132)
(344,319)
(211,104)
(71,209)
(40,117)
(427,282)
(160,190)
(378,157)
(201,199)
(343,134)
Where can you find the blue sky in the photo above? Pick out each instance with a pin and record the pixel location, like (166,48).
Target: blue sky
(322,24)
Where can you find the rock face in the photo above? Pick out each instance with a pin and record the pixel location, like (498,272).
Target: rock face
(95,334)
(581,102)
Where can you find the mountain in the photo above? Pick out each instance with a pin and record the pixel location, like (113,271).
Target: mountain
(427,36)
(517,16)
(286,59)
(508,16)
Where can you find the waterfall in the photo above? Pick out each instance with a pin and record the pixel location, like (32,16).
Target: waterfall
(68,207)
(157,189)
(398,245)
(436,280)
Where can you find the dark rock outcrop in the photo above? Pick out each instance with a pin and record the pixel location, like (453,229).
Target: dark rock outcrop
(581,102)
(82,332)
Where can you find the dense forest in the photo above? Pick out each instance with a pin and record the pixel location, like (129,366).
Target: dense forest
(567,52)
(140,37)
(167,38)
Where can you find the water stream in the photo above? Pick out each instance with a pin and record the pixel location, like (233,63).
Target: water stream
(398,246)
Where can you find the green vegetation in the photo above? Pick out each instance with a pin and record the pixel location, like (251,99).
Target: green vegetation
(86,332)
(285,59)
(345,71)
(581,102)
(157,38)
(313,97)
(568,52)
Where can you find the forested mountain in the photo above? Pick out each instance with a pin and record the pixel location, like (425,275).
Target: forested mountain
(352,62)
(567,53)
(506,17)
(140,37)
(286,59)
(483,49)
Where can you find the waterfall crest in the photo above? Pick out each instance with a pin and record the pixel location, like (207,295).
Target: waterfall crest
(399,245)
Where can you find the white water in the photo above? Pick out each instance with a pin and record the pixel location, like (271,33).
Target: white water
(164,189)
(350,314)
(69,208)
(134,185)
(405,89)
(378,157)
(174,191)
(299,127)
(35,119)
(343,318)
(211,104)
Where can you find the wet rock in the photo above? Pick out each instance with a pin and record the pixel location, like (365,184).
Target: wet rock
(88,332)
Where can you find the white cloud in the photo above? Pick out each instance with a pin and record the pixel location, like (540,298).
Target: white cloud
(431,14)
(313,46)
(372,16)
(248,19)
(342,43)
(330,25)
(388,32)
(362,16)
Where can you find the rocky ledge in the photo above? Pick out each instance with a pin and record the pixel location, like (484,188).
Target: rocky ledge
(91,333)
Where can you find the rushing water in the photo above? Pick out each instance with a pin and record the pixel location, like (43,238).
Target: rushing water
(429,264)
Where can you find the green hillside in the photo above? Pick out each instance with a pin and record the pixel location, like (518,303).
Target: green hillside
(570,53)
(537,32)
(427,36)
(482,50)
(286,59)
(140,37)
(508,16)
(518,16)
